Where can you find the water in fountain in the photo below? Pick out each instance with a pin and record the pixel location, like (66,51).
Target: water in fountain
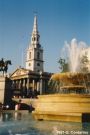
(74,80)
(72,52)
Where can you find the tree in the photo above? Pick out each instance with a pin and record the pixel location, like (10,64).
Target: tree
(84,64)
(64,67)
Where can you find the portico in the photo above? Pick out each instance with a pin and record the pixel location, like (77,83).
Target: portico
(25,82)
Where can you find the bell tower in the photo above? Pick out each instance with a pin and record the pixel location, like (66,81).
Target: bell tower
(34,56)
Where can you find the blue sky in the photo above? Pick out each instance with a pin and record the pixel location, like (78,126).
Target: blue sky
(58,21)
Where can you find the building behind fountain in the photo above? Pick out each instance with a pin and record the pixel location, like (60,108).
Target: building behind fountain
(32,78)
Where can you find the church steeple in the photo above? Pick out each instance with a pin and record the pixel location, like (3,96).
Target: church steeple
(35,34)
(34,59)
(35,26)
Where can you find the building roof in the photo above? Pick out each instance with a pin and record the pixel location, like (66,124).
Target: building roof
(20,72)
(26,73)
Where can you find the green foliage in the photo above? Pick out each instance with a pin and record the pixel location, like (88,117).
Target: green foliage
(64,66)
(83,64)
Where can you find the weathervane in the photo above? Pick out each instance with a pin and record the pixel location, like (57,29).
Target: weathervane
(35,13)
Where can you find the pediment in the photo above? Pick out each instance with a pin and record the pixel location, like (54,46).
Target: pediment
(20,72)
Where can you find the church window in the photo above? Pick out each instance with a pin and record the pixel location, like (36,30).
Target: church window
(34,39)
(38,55)
(37,39)
(29,64)
(30,55)
(38,64)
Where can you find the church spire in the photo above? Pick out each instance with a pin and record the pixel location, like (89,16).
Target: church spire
(35,26)
(35,35)
(34,57)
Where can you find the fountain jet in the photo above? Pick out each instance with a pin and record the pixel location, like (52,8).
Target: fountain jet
(73,51)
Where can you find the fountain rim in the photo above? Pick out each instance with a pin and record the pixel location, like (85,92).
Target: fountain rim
(68,75)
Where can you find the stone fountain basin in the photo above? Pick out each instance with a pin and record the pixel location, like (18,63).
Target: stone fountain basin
(69,78)
(72,87)
(62,107)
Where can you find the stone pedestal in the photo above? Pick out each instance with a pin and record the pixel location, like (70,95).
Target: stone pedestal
(5,90)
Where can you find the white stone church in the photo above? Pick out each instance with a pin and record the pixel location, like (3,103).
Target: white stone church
(33,77)
(34,60)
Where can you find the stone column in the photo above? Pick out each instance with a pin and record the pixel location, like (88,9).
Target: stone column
(38,86)
(20,88)
(13,84)
(44,86)
(23,83)
(33,85)
(27,86)
(14,87)
(27,83)
(16,84)
(23,87)
(41,86)
(19,84)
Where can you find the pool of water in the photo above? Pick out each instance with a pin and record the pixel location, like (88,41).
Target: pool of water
(13,123)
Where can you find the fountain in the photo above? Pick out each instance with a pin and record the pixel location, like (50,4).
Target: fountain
(74,102)
(73,51)
(77,83)
(74,81)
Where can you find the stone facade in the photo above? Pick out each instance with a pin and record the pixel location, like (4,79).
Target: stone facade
(25,81)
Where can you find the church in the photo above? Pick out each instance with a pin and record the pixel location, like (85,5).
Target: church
(32,78)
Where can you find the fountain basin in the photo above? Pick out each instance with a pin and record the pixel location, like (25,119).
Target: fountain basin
(63,107)
(70,83)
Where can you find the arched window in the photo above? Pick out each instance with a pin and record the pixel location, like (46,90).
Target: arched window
(30,55)
(37,39)
(29,64)
(38,64)
(34,38)
(38,55)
